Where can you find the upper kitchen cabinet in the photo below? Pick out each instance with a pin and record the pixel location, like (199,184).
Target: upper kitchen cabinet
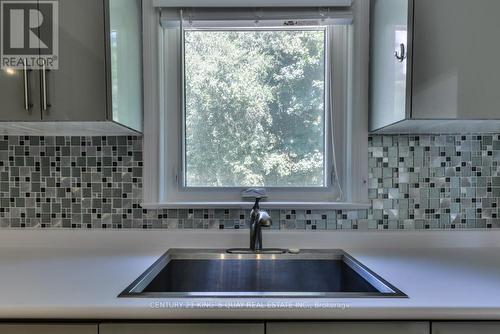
(390,56)
(76,91)
(431,71)
(16,100)
(17,83)
(96,88)
(125,46)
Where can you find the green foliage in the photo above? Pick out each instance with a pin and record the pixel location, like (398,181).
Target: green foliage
(254,108)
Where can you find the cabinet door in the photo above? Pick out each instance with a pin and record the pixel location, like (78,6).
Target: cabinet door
(389,58)
(465,327)
(181,328)
(125,49)
(456,68)
(349,328)
(19,88)
(77,90)
(47,329)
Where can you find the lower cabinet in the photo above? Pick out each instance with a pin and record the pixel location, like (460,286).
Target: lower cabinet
(306,327)
(348,328)
(466,327)
(48,328)
(183,328)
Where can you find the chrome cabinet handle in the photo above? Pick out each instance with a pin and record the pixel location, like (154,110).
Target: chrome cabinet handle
(401,55)
(45,104)
(26,76)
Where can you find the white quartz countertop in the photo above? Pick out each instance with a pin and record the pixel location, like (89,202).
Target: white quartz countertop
(78,275)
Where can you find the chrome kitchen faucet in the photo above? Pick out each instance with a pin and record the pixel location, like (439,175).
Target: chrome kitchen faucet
(258,219)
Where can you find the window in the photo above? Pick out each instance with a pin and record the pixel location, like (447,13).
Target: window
(254,108)
(251,98)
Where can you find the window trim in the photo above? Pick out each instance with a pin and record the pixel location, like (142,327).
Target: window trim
(175,113)
(156,194)
(254,3)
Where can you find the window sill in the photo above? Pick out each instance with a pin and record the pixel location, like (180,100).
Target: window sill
(268,205)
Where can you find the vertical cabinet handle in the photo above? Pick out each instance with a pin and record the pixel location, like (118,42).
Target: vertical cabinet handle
(45,103)
(26,76)
(401,54)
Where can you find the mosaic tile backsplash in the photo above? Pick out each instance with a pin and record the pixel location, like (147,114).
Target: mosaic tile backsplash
(415,182)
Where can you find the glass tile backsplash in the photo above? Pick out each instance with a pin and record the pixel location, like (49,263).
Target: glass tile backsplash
(415,182)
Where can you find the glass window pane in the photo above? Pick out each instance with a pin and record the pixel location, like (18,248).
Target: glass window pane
(255,108)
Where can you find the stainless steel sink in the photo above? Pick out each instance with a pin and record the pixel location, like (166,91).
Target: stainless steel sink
(217,273)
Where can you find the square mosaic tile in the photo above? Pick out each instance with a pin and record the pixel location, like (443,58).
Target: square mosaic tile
(415,182)
(434,181)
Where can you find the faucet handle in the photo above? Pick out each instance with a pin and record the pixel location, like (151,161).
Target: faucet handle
(264,219)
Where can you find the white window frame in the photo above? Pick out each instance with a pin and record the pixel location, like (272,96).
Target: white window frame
(162,144)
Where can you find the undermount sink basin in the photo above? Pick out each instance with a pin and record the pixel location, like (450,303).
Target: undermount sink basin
(217,273)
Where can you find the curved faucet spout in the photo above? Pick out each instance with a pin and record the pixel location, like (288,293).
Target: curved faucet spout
(258,219)
(264,219)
